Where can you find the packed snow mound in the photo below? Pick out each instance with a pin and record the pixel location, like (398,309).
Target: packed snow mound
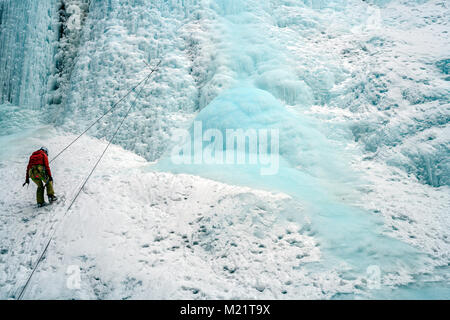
(14,119)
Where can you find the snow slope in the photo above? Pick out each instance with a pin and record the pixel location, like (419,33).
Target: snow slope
(358,89)
(156,235)
(162,235)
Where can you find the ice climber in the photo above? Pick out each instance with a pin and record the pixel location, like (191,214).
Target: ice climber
(39,171)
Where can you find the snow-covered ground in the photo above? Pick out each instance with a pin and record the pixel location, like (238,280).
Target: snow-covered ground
(359,91)
(136,233)
(140,234)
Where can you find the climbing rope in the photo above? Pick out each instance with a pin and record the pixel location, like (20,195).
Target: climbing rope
(144,81)
(70,144)
(107,111)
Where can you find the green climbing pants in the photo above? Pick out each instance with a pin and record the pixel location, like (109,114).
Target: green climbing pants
(39,176)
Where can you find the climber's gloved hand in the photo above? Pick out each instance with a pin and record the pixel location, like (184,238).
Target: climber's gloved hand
(27,181)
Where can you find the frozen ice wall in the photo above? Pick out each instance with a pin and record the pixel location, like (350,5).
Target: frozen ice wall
(71,18)
(375,72)
(398,89)
(272,87)
(352,85)
(121,41)
(28,34)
